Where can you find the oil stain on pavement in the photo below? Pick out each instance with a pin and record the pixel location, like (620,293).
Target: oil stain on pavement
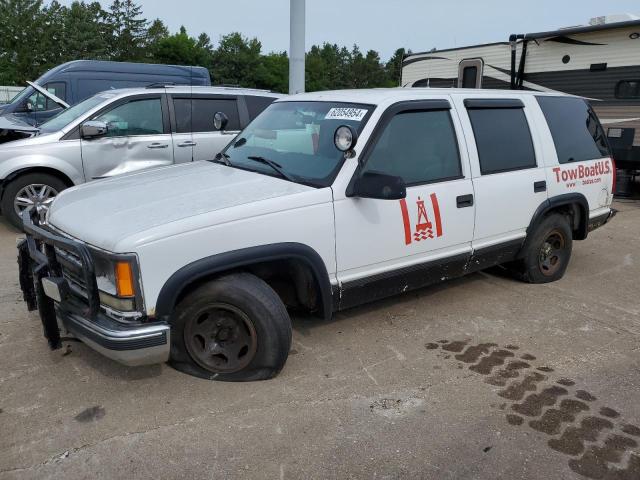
(599,444)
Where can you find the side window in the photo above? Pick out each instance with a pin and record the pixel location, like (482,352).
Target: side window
(182,112)
(575,129)
(59,89)
(503,139)
(203,110)
(256,105)
(138,117)
(418,146)
(628,89)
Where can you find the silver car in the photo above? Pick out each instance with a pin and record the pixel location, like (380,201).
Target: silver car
(122,131)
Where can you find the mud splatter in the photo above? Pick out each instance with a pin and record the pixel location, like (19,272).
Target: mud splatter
(517,390)
(512,370)
(566,382)
(514,419)
(528,356)
(609,412)
(431,346)
(586,396)
(534,403)
(455,347)
(572,440)
(472,354)
(552,420)
(487,364)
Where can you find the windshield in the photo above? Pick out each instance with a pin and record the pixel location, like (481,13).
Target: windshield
(298,138)
(67,116)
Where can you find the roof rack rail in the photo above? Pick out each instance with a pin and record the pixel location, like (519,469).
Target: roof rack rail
(161,85)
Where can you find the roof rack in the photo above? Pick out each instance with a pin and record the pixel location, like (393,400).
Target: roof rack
(161,85)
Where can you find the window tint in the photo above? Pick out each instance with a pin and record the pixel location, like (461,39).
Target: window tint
(138,117)
(576,132)
(420,147)
(503,139)
(256,105)
(203,110)
(628,89)
(469,76)
(182,112)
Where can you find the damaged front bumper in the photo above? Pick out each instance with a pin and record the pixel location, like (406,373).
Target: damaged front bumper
(45,288)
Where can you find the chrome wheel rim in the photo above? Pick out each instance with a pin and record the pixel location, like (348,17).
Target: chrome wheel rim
(35,195)
(221,338)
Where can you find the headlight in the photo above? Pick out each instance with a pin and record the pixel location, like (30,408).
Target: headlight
(116,279)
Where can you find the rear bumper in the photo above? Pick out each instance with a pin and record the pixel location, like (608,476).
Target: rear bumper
(600,220)
(134,343)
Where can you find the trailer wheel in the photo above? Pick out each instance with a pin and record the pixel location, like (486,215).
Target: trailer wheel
(234,328)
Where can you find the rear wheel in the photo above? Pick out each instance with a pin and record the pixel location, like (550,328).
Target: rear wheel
(234,328)
(33,190)
(548,251)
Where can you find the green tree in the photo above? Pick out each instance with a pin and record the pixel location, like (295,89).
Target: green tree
(84,32)
(393,67)
(237,61)
(129,31)
(156,32)
(181,49)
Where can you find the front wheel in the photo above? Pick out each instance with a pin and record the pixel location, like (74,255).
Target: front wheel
(234,328)
(33,190)
(547,252)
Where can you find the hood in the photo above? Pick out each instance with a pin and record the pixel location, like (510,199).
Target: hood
(11,122)
(105,213)
(14,128)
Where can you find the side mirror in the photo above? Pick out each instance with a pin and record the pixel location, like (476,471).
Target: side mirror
(92,129)
(220,121)
(379,186)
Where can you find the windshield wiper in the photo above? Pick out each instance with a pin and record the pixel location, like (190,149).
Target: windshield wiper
(275,166)
(222,158)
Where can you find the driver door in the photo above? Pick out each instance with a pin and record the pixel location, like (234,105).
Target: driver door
(138,138)
(385,247)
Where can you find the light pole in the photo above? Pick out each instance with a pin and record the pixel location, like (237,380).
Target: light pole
(296,46)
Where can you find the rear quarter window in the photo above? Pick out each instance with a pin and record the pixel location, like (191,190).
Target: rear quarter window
(576,131)
(255,105)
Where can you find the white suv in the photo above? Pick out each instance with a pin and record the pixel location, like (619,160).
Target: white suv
(121,131)
(325,201)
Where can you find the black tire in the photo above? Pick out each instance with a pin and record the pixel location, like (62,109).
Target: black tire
(203,322)
(547,251)
(15,186)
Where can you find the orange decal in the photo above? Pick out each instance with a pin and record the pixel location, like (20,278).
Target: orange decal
(424,226)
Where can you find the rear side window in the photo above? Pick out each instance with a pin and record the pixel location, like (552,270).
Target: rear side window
(469,75)
(575,129)
(420,147)
(503,139)
(203,110)
(182,111)
(256,105)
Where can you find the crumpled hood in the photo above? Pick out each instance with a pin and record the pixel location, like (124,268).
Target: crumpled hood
(11,122)
(105,212)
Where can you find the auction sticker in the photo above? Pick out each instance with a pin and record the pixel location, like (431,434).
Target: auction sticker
(342,113)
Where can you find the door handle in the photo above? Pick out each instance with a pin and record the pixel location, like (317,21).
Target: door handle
(158,145)
(187,144)
(540,186)
(464,201)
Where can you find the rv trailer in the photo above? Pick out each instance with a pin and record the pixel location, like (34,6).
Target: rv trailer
(600,61)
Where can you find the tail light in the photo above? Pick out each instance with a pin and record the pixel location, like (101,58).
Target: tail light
(613,185)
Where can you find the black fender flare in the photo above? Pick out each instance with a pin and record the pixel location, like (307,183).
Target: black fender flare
(187,275)
(579,199)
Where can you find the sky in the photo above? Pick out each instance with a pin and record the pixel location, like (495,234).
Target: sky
(381,25)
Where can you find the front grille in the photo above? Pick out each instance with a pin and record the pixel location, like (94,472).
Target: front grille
(71,267)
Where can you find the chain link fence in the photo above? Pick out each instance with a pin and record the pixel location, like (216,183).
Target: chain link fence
(7,93)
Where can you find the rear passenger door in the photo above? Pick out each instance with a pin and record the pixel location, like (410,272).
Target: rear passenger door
(508,174)
(183,143)
(207,141)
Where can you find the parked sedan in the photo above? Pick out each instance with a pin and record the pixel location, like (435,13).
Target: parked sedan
(121,131)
